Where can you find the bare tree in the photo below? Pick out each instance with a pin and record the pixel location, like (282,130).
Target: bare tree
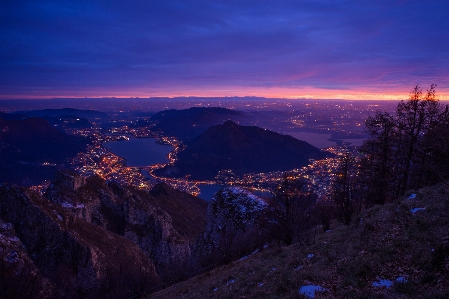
(344,188)
(378,164)
(405,150)
(292,201)
(414,119)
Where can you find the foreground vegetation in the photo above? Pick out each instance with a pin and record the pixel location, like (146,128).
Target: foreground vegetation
(383,242)
(386,237)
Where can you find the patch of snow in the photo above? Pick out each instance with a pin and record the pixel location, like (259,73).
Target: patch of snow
(310,255)
(273,269)
(297,268)
(6,225)
(69,205)
(57,215)
(309,290)
(238,191)
(12,256)
(328,231)
(412,196)
(244,200)
(10,239)
(414,210)
(401,279)
(247,256)
(230,281)
(260,284)
(66,205)
(242,258)
(382,283)
(215,289)
(265,246)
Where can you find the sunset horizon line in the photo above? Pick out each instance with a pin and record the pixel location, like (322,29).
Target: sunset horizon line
(346,97)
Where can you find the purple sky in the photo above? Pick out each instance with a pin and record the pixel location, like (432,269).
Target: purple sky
(329,49)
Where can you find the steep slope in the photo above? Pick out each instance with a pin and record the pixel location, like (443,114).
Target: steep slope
(20,276)
(398,250)
(163,223)
(244,149)
(86,238)
(188,212)
(235,225)
(58,255)
(190,123)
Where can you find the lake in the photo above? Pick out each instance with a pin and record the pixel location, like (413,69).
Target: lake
(321,140)
(140,152)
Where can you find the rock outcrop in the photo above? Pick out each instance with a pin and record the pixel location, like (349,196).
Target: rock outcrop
(86,238)
(69,255)
(20,277)
(145,218)
(235,226)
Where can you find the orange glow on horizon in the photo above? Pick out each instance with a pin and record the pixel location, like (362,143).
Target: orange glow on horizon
(275,92)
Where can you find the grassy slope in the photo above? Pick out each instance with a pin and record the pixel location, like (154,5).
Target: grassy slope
(383,242)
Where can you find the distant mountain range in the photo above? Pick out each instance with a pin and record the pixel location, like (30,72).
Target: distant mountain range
(243,149)
(27,143)
(189,123)
(89,114)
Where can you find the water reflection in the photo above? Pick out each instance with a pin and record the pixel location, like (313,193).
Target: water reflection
(140,152)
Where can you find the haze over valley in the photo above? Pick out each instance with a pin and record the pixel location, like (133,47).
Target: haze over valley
(322,124)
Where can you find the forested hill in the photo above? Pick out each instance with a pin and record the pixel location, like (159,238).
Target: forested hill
(243,149)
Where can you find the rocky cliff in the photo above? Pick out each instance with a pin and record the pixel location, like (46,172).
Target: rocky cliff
(66,254)
(88,238)
(235,226)
(139,216)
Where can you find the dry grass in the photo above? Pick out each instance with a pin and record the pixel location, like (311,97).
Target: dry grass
(383,242)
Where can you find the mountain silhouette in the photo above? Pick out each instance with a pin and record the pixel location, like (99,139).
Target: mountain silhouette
(25,144)
(243,149)
(189,123)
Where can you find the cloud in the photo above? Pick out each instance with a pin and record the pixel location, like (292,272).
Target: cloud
(86,45)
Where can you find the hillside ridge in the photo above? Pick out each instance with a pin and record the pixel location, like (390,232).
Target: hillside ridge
(396,250)
(243,149)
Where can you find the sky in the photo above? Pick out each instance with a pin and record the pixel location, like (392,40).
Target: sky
(287,49)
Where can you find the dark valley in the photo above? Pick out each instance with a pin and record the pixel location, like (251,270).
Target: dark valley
(31,149)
